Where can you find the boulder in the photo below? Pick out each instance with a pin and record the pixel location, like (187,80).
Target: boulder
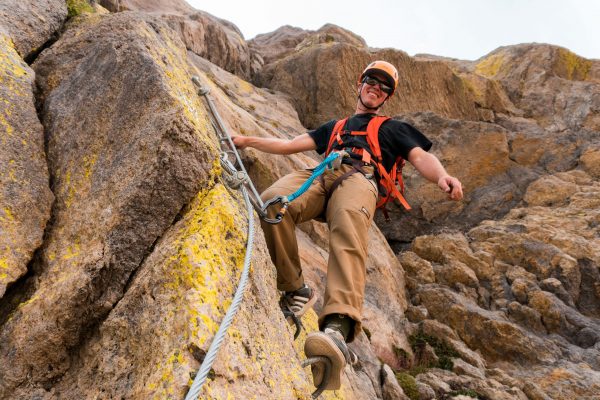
(277,44)
(416,267)
(549,190)
(215,39)
(30,24)
(444,333)
(452,249)
(460,367)
(526,316)
(25,196)
(591,161)
(563,381)
(152,343)
(391,388)
(129,145)
(490,333)
(537,75)
(287,39)
(454,273)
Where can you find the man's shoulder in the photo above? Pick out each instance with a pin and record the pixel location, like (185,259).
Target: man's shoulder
(397,124)
(327,126)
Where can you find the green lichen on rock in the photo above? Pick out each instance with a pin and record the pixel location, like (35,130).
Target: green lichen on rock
(409,385)
(78,7)
(444,351)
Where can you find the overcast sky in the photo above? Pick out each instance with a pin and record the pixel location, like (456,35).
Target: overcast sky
(465,29)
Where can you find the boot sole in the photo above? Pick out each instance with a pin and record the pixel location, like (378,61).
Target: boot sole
(320,344)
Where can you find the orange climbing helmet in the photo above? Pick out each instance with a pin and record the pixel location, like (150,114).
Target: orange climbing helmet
(384,68)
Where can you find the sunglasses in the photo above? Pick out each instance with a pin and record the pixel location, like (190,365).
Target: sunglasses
(369,80)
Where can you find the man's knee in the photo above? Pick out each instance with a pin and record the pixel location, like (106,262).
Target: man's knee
(270,193)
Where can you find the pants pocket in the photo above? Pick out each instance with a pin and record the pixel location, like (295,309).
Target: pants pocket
(366,212)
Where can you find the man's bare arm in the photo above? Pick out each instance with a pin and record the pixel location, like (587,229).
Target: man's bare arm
(432,169)
(276,146)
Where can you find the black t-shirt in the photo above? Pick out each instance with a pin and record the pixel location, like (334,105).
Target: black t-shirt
(396,138)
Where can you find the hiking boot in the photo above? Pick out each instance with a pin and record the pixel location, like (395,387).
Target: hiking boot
(330,344)
(299,301)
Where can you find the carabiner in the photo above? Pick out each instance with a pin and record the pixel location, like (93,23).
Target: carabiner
(279,216)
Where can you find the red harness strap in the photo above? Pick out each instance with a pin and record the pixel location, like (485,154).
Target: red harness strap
(387,180)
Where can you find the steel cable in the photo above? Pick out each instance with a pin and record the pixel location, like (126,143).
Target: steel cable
(237,299)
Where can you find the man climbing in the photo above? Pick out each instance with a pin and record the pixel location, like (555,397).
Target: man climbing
(346,198)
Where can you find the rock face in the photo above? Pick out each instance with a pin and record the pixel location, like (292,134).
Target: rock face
(121,246)
(128,284)
(322,88)
(168,339)
(286,40)
(517,141)
(119,182)
(559,86)
(25,196)
(535,298)
(31,23)
(215,39)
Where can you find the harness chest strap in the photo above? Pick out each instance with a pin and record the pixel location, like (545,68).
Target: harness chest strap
(387,180)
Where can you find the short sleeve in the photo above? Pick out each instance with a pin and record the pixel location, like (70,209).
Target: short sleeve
(321,135)
(400,138)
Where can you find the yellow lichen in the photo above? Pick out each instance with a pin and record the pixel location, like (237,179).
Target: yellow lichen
(77,179)
(3,264)
(11,63)
(15,79)
(202,268)
(570,66)
(8,129)
(71,251)
(88,164)
(9,214)
(490,66)
(473,85)
(245,87)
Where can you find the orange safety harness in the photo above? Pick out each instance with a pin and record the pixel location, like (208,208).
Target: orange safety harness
(371,154)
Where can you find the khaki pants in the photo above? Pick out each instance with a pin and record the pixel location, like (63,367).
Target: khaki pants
(348,213)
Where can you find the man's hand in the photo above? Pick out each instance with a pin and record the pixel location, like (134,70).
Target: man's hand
(240,142)
(430,167)
(452,186)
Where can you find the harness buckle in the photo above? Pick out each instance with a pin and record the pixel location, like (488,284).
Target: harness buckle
(337,163)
